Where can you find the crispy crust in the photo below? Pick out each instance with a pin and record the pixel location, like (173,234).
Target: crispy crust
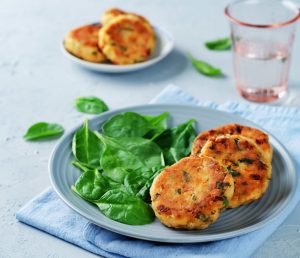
(242,158)
(83,43)
(127,39)
(260,138)
(191,193)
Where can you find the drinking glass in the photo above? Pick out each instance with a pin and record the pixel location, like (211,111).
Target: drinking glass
(262,33)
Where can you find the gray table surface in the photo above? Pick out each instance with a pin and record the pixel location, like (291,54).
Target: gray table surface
(37,83)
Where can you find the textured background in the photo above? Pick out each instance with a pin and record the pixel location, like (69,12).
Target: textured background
(38,84)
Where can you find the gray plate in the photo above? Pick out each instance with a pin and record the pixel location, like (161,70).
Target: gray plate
(231,223)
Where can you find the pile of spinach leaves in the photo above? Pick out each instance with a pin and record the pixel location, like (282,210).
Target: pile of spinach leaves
(120,161)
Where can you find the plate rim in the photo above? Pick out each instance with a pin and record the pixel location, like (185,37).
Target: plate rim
(200,238)
(110,68)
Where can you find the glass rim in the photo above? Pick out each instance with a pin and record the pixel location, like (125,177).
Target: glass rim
(274,25)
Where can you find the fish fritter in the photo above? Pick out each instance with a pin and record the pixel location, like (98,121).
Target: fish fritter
(191,193)
(243,159)
(83,43)
(112,13)
(126,40)
(260,138)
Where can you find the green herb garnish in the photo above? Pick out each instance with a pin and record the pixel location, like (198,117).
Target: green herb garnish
(233,172)
(219,44)
(225,202)
(246,161)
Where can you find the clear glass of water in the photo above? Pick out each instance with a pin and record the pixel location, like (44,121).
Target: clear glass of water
(262,33)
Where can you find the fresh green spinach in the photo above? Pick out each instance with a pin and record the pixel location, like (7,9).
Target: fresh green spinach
(90,105)
(125,208)
(122,155)
(43,130)
(176,142)
(139,182)
(159,124)
(91,185)
(86,147)
(219,44)
(127,124)
(204,67)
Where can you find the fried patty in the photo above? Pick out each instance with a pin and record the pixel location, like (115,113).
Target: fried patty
(127,39)
(191,193)
(112,13)
(243,159)
(260,138)
(83,43)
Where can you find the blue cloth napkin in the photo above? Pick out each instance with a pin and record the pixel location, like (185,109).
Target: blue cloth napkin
(48,213)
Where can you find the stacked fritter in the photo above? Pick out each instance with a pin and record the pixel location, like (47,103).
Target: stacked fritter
(123,38)
(229,166)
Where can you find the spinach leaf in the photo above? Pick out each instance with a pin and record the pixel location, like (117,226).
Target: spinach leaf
(219,44)
(128,124)
(90,105)
(125,154)
(176,142)
(205,68)
(138,182)
(125,208)
(43,130)
(159,124)
(91,185)
(86,147)
(82,167)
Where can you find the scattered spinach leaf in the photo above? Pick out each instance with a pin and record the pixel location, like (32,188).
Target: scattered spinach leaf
(204,67)
(125,208)
(43,130)
(86,147)
(219,44)
(90,105)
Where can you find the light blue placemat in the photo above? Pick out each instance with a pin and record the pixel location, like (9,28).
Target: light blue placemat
(48,213)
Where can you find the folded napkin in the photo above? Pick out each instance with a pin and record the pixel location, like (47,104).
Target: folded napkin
(48,213)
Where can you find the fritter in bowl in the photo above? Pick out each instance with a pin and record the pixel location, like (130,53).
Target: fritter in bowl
(191,193)
(127,40)
(243,159)
(83,43)
(260,138)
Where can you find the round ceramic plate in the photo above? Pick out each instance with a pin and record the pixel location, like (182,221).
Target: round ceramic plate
(233,222)
(164,45)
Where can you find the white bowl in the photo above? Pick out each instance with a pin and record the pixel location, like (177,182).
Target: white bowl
(164,45)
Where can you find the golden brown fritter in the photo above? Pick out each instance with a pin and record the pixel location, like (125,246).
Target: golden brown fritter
(191,193)
(127,39)
(112,13)
(243,159)
(83,43)
(260,138)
